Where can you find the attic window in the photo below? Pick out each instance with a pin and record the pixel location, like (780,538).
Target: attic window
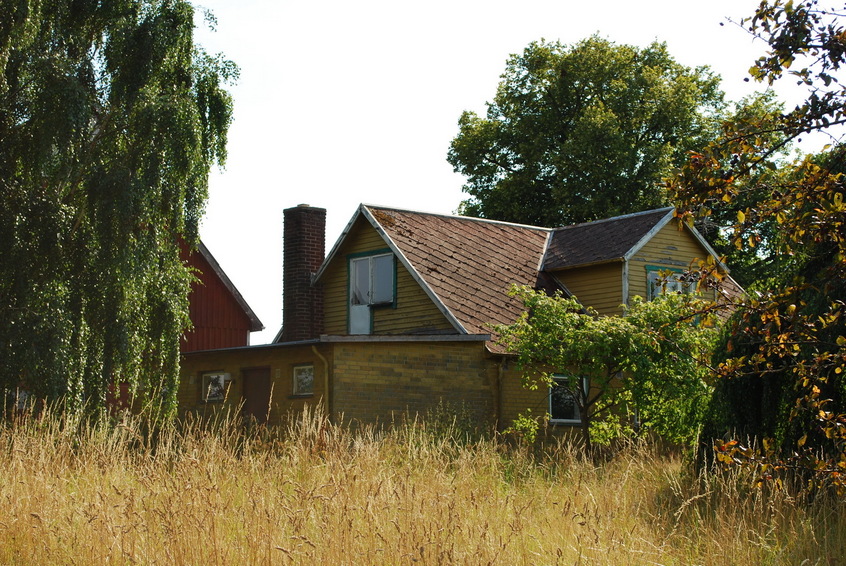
(372,280)
(661,280)
(372,284)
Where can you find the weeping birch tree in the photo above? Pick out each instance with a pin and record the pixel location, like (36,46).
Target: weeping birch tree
(110,120)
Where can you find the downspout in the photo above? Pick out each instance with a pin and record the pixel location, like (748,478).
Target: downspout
(325,378)
(498,409)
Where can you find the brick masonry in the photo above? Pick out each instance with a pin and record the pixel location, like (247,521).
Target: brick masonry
(378,382)
(304,246)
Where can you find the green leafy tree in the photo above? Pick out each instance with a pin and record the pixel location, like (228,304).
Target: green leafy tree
(791,336)
(652,362)
(583,132)
(110,118)
(752,264)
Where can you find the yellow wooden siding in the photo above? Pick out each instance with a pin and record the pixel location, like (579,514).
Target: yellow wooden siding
(670,248)
(414,311)
(597,286)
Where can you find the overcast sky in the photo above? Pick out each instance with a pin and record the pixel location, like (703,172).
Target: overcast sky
(344,102)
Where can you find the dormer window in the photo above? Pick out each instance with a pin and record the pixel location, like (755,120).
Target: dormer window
(660,280)
(372,284)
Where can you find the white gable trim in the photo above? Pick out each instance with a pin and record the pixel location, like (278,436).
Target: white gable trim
(666,219)
(334,251)
(255,324)
(693,231)
(364,211)
(648,236)
(711,251)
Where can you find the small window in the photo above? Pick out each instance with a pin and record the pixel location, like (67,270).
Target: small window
(304,380)
(372,280)
(215,386)
(564,401)
(664,280)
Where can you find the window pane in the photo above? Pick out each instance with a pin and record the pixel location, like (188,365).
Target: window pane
(214,386)
(654,287)
(303,380)
(562,404)
(383,279)
(673,285)
(360,281)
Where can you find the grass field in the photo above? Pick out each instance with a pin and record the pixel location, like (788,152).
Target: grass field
(315,493)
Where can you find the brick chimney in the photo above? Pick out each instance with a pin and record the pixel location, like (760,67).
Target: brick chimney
(304,242)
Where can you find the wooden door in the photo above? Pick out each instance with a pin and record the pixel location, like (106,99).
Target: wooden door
(256,393)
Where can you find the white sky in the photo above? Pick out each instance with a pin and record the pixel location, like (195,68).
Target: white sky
(344,102)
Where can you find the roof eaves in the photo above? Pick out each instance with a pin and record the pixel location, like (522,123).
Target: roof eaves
(588,264)
(255,323)
(412,270)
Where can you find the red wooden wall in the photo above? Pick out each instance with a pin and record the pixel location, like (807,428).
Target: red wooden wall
(219,320)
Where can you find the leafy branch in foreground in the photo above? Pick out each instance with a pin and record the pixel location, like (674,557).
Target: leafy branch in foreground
(789,334)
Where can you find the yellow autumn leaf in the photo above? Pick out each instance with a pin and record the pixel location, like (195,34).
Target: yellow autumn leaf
(741,218)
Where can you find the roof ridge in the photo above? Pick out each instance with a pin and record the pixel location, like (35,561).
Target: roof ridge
(620,217)
(458,217)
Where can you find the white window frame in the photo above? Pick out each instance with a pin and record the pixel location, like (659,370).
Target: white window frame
(558,379)
(371,260)
(214,393)
(296,373)
(361,304)
(667,280)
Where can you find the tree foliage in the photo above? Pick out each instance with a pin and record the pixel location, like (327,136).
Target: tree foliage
(790,336)
(110,118)
(651,363)
(751,265)
(582,132)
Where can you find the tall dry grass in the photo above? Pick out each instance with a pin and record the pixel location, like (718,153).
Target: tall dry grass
(311,492)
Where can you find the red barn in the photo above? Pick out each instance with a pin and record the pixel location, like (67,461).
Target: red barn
(221,316)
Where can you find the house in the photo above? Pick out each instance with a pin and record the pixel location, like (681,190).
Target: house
(398,316)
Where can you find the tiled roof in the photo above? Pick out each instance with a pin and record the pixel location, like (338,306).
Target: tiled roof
(468,263)
(604,240)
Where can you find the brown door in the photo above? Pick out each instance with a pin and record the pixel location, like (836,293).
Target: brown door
(256,392)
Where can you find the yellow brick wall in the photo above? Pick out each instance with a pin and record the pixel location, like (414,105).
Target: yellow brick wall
(281,361)
(670,248)
(381,381)
(597,286)
(518,399)
(414,311)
